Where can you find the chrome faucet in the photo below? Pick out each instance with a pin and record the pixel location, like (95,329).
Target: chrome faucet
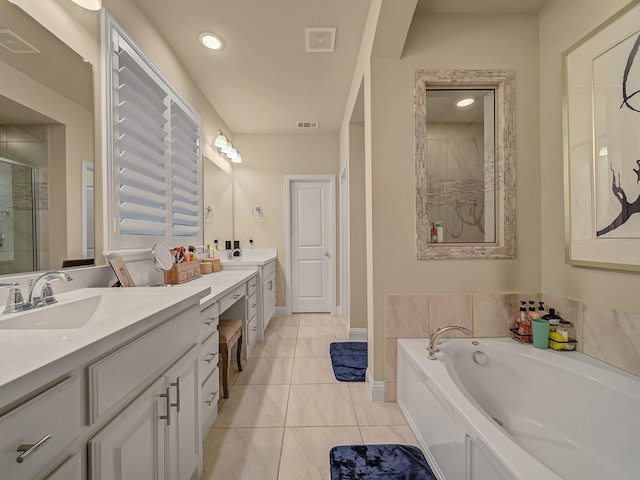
(40,290)
(433,339)
(15,302)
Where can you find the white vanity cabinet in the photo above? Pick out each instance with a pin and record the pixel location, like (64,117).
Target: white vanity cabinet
(265,286)
(157,435)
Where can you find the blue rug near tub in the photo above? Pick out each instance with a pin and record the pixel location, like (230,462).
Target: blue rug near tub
(379,462)
(349,361)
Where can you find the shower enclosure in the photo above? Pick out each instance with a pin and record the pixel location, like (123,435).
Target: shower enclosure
(20,217)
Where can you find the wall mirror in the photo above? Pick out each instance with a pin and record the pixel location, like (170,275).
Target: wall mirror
(465,164)
(46,148)
(218,200)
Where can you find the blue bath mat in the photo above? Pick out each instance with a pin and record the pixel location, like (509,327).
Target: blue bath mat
(379,462)
(349,361)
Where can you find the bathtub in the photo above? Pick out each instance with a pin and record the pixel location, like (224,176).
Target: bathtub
(496,409)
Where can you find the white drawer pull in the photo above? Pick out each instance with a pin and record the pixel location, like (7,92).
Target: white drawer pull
(209,322)
(235,297)
(212,398)
(27,449)
(210,358)
(167,398)
(177,385)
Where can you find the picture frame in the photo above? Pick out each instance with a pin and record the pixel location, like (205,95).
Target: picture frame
(601,121)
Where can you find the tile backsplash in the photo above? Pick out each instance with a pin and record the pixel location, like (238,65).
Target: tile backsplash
(606,334)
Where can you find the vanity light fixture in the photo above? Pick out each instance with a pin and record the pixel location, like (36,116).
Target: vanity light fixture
(94,5)
(225,147)
(465,102)
(211,41)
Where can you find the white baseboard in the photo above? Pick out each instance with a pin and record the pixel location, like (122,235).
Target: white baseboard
(358,335)
(375,388)
(281,311)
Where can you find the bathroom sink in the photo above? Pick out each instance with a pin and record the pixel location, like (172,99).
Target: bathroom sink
(75,310)
(66,314)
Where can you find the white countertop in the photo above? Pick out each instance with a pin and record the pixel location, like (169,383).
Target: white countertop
(27,351)
(250,257)
(31,357)
(220,283)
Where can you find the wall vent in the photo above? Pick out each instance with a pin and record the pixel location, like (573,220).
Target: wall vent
(307,125)
(320,39)
(14,43)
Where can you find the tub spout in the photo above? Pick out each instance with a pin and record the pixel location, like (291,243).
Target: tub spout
(433,339)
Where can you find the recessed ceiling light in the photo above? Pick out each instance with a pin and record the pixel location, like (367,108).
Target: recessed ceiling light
(211,40)
(465,102)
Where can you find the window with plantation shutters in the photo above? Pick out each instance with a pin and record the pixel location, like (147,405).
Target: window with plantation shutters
(154,159)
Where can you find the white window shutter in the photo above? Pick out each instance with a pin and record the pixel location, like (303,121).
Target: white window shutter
(155,157)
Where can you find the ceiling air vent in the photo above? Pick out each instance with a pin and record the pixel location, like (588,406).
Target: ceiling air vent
(320,39)
(14,43)
(307,125)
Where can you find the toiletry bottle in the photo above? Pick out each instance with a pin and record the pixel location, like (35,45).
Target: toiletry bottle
(554,320)
(521,316)
(541,310)
(434,233)
(440,232)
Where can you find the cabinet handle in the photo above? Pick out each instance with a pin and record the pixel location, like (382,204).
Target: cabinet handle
(210,358)
(167,417)
(255,327)
(177,385)
(270,284)
(213,396)
(237,296)
(253,305)
(209,322)
(28,448)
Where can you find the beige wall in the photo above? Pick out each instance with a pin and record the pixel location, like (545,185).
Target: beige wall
(357,229)
(560,27)
(259,180)
(449,41)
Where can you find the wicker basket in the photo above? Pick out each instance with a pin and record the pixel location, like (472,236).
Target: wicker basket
(214,262)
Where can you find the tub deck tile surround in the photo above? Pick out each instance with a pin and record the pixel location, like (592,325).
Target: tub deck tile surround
(603,333)
(613,337)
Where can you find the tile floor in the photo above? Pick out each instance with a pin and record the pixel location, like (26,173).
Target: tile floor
(286,409)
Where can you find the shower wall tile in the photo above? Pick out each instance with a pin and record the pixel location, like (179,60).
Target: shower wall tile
(406,315)
(613,337)
(26,133)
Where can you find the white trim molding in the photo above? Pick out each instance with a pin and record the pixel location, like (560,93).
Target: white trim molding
(375,388)
(358,335)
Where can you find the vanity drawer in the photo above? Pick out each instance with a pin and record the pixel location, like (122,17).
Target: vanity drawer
(210,394)
(210,320)
(69,470)
(252,334)
(133,367)
(252,306)
(252,285)
(209,355)
(232,297)
(56,412)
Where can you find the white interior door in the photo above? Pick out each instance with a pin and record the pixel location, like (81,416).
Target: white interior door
(312,243)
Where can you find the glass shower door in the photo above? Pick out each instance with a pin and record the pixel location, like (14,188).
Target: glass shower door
(18,249)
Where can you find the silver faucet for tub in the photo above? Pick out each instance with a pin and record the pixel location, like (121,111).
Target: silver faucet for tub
(433,339)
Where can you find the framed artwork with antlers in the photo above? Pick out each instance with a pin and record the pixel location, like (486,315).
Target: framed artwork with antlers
(602,144)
